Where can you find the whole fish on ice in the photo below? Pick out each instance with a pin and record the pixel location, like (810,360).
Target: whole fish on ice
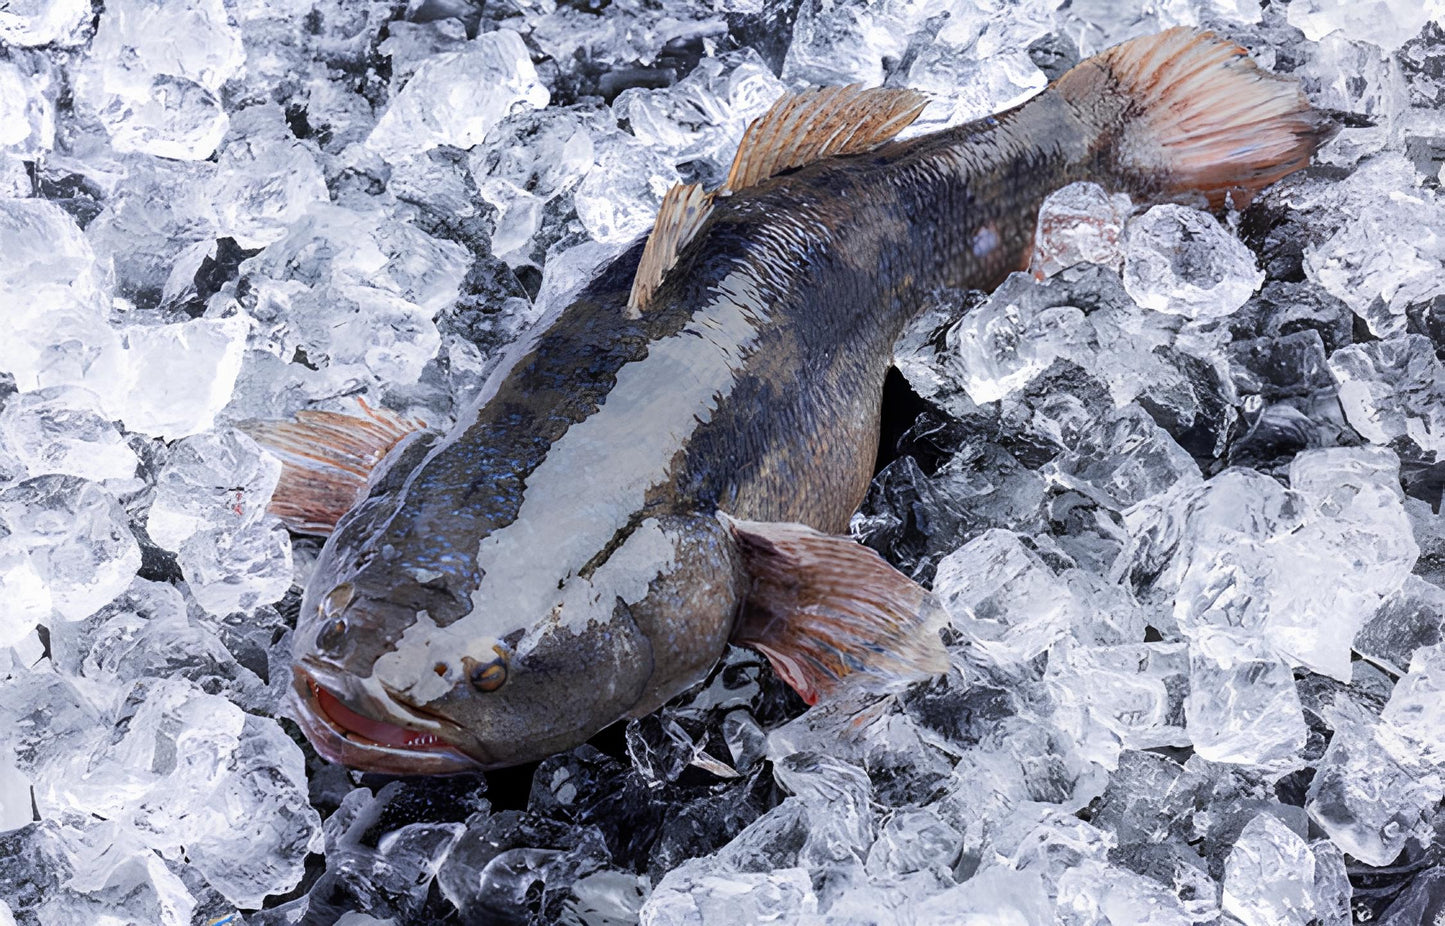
(664,465)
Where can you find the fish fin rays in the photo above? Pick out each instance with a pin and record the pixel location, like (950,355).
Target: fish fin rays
(799,128)
(829,613)
(804,127)
(684,209)
(326,461)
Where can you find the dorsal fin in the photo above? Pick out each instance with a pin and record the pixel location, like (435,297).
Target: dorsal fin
(683,210)
(815,124)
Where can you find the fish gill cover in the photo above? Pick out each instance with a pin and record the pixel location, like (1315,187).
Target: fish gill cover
(1178,489)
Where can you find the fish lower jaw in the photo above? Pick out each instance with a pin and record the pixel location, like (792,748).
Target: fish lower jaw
(345,737)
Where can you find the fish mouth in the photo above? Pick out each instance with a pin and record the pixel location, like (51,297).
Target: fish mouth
(340,734)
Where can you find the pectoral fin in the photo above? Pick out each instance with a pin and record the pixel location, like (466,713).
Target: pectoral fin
(326,461)
(829,612)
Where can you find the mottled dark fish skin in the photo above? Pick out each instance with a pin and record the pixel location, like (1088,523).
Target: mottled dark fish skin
(566,533)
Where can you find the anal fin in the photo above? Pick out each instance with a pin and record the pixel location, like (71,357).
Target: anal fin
(326,461)
(829,612)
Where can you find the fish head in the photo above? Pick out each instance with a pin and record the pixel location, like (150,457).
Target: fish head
(396,668)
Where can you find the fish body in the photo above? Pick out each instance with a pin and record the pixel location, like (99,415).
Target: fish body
(645,479)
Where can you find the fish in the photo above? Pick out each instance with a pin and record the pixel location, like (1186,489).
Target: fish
(667,463)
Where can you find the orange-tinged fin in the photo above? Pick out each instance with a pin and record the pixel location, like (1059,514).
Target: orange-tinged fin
(683,210)
(815,124)
(829,612)
(326,461)
(1202,117)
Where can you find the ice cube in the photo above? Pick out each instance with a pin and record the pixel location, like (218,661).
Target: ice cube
(238,568)
(1001,346)
(692,895)
(1411,617)
(1414,710)
(702,116)
(994,895)
(1269,875)
(841,43)
(1078,223)
(1095,893)
(209,479)
(1386,23)
(77,538)
(1183,262)
(1121,462)
(914,839)
(1393,388)
(201,359)
(1111,698)
(618,199)
(27,113)
(1242,706)
(65,430)
(1365,799)
(1001,595)
(156,95)
(29,23)
(265,178)
(456,97)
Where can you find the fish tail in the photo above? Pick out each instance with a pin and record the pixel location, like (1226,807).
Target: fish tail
(1184,114)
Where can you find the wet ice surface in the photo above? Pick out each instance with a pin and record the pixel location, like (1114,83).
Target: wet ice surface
(1177,489)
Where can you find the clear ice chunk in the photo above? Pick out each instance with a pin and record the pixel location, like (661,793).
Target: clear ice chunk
(1243,707)
(1183,262)
(1387,24)
(77,539)
(618,199)
(1004,597)
(1411,617)
(238,568)
(65,430)
(1124,461)
(265,178)
(455,98)
(27,113)
(30,23)
(1269,875)
(1094,893)
(1414,711)
(201,359)
(691,895)
(1001,346)
(1112,698)
(219,477)
(1393,388)
(702,116)
(1080,223)
(156,95)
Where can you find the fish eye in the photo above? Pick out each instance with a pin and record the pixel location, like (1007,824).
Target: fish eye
(489,676)
(331,635)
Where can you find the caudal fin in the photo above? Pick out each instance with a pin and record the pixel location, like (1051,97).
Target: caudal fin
(1198,117)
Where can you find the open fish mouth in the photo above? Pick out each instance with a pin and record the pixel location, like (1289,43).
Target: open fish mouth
(342,735)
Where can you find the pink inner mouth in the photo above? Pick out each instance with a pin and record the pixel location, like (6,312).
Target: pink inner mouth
(364,729)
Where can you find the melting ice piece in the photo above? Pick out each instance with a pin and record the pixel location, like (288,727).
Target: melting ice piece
(1096,892)
(1242,706)
(1364,797)
(77,538)
(1389,254)
(238,568)
(702,116)
(220,477)
(265,178)
(1001,346)
(1387,24)
(27,115)
(1183,262)
(1269,875)
(1001,595)
(30,23)
(456,97)
(1080,223)
(618,199)
(181,375)
(65,430)
(154,94)
(1393,388)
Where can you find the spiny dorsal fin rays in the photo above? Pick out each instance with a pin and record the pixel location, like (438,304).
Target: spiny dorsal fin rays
(683,210)
(799,128)
(816,124)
